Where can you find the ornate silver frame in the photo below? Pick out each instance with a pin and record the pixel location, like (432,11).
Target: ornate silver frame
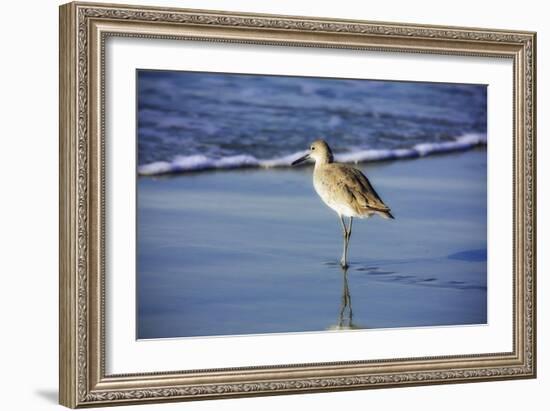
(83,30)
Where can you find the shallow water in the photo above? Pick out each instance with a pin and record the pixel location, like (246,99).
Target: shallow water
(255,251)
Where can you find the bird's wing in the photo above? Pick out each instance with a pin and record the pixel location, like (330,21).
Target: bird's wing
(358,185)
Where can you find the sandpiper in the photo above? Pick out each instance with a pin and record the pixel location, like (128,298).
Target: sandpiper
(343,188)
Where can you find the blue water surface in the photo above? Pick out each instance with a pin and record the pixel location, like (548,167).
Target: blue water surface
(192,115)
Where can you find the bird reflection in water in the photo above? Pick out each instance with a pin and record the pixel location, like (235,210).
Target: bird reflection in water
(345,315)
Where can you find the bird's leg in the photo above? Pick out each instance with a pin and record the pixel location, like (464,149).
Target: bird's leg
(344,259)
(348,236)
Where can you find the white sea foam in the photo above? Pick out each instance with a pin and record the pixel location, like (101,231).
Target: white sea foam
(198,162)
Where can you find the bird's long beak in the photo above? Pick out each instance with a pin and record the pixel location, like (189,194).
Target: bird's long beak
(301,160)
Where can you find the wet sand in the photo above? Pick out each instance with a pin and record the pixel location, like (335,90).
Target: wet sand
(256,251)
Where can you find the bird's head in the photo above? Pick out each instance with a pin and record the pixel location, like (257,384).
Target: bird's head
(319,151)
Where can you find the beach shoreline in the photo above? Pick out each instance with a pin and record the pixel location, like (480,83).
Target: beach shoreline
(200,163)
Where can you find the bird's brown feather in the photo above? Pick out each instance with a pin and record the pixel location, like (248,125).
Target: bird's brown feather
(353,185)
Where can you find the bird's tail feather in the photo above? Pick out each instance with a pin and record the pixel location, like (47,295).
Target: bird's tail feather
(386,214)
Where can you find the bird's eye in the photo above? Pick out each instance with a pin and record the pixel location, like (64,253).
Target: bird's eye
(313,148)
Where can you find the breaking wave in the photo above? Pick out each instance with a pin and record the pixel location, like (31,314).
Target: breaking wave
(199,162)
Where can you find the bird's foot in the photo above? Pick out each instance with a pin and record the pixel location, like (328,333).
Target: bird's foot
(344,264)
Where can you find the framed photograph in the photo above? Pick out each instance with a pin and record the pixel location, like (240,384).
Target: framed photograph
(259,204)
